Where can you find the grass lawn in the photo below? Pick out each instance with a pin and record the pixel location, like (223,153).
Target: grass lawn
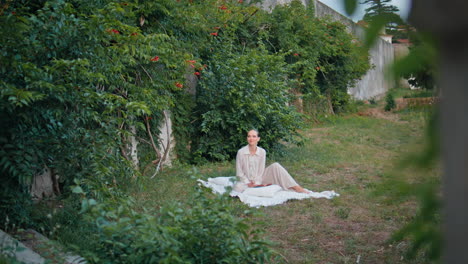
(354,155)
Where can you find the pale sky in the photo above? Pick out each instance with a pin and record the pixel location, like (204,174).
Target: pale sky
(403,5)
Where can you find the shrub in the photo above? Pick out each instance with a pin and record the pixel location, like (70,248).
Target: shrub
(205,232)
(239,93)
(389,102)
(74,79)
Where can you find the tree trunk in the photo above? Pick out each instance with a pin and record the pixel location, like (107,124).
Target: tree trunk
(133,147)
(43,185)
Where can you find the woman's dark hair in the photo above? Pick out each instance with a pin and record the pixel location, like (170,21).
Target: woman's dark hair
(254,129)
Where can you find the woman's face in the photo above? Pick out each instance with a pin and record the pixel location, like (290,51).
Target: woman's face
(252,138)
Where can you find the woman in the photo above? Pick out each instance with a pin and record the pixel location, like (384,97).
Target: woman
(251,171)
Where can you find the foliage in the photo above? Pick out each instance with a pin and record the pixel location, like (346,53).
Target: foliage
(60,88)
(389,102)
(424,231)
(325,60)
(378,9)
(4,259)
(290,48)
(15,207)
(206,232)
(419,67)
(254,95)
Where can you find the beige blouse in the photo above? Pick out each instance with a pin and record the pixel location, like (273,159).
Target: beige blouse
(250,167)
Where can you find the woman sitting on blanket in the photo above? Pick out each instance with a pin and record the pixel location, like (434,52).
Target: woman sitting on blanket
(251,171)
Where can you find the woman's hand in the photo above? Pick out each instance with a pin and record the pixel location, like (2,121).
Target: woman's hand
(252,184)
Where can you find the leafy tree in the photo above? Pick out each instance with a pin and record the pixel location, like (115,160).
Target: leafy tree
(324,58)
(239,93)
(75,77)
(382,10)
(423,74)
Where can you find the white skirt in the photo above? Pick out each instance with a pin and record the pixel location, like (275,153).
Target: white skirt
(273,174)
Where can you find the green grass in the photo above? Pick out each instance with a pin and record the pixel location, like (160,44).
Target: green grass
(360,157)
(419,93)
(350,154)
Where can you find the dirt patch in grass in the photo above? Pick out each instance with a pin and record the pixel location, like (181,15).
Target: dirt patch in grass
(380,113)
(317,235)
(402,103)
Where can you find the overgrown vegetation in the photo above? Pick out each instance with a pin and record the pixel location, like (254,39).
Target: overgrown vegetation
(81,81)
(100,73)
(382,11)
(205,230)
(379,191)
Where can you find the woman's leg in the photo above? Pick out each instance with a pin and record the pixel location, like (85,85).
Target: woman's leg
(298,188)
(276,174)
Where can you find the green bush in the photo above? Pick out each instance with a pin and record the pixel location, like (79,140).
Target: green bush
(239,93)
(205,232)
(74,79)
(15,207)
(389,102)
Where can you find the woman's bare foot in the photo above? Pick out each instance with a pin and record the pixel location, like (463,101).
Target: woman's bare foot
(299,189)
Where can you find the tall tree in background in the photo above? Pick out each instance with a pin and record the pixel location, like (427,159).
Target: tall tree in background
(383,10)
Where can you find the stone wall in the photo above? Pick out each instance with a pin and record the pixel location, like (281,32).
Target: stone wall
(401,50)
(376,82)
(268,5)
(322,10)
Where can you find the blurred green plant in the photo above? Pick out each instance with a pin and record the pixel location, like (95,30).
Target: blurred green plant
(424,231)
(389,102)
(204,232)
(419,67)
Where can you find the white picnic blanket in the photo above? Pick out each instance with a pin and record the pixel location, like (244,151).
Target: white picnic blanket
(269,195)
